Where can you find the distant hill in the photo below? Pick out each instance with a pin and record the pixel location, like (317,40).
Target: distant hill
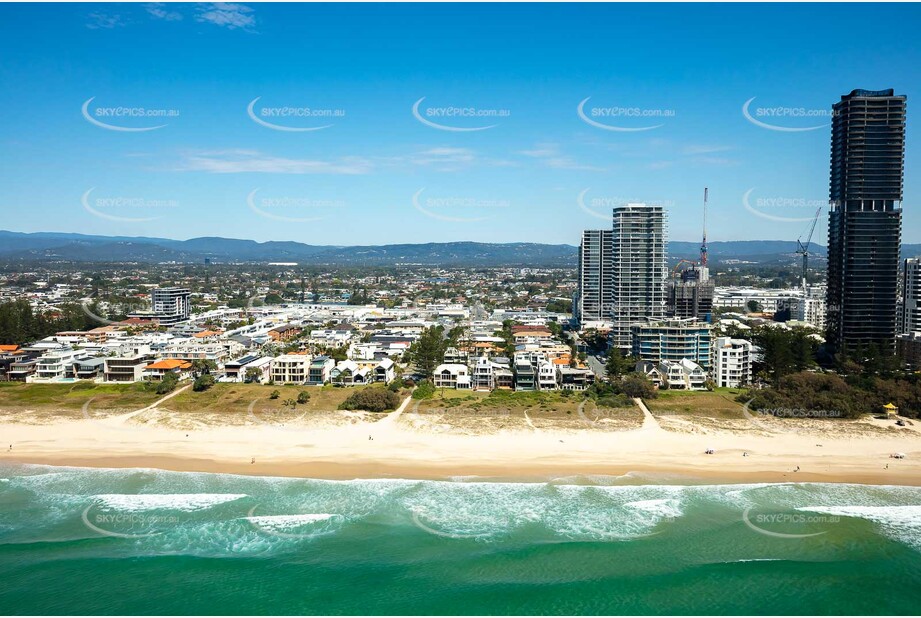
(89,248)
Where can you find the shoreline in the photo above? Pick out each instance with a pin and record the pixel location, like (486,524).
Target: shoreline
(522,474)
(720,472)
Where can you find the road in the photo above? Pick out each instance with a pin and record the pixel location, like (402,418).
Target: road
(596,364)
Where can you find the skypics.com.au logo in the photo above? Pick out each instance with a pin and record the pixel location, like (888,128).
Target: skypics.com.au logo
(784,118)
(622,119)
(456,118)
(126,119)
(289,117)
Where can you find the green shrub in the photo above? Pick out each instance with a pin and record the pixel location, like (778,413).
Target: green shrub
(425,390)
(203,382)
(375,399)
(167,384)
(303,397)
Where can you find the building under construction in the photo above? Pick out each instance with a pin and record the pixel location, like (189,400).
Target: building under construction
(690,293)
(690,290)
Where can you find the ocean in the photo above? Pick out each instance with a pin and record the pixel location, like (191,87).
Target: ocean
(133,541)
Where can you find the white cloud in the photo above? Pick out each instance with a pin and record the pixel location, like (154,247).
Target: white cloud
(227,14)
(104,21)
(158,10)
(699,149)
(551,156)
(445,159)
(243,161)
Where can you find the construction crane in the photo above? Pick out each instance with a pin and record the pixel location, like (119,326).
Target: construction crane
(803,248)
(703,245)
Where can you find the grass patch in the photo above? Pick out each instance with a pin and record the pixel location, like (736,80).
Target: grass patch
(222,398)
(719,403)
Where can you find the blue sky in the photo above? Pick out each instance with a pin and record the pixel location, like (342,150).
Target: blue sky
(378,174)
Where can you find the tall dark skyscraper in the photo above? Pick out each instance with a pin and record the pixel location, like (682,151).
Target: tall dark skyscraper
(865,218)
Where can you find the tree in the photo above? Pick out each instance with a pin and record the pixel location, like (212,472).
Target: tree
(617,364)
(559,305)
(203,366)
(303,397)
(425,390)
(203,383)
(167,383)
(253,374)
(428,351)
(638,385)
(754,306)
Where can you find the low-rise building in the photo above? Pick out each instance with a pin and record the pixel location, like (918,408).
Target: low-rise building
(291,368)
(319,370)
(128,367)
(238,370)
(452,375)
(157,370)
(89,368)
(350,373)
(574,379)
(56,365)
(683,375)
(385,371)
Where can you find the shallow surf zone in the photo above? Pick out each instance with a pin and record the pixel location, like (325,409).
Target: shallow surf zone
(152,512)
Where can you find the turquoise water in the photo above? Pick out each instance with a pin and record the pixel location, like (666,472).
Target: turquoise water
(81,541)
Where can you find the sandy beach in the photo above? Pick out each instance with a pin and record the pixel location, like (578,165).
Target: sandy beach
(408,444)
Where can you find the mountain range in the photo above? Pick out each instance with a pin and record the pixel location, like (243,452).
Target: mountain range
(91,248)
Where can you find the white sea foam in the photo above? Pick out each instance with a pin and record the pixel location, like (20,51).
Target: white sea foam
(174,502)
(902,523)
(662,507)
(287,522)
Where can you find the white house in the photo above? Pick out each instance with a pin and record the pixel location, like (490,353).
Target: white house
(452,375)
(546,376)
(684,374)
(350,373)
(56,365)
(385,371)
(291,368)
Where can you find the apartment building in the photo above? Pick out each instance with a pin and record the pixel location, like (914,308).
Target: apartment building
(593,300)
(672,340)
(732,362)
(639,270)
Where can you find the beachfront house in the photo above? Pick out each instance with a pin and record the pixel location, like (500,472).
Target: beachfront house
(385,371)
(290,368)
(451,375)
(319,370)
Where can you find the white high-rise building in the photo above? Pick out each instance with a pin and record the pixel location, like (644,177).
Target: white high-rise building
(910,319)
(594,299)
(732,362)
(811,307)
(638,268)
